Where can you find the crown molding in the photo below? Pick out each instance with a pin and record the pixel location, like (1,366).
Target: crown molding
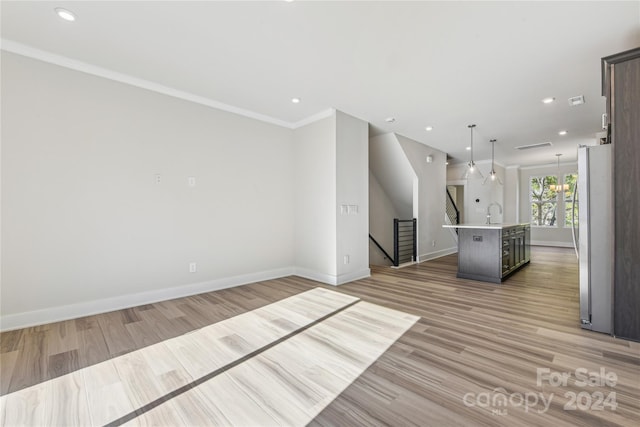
(84,67)
(314,118)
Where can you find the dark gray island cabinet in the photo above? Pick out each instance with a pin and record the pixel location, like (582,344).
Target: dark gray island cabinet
(492,252)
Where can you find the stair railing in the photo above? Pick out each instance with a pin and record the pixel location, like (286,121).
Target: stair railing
(404,240)
(382,249)
(405,237)
(452,210)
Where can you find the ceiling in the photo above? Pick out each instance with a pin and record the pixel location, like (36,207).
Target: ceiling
(439,64)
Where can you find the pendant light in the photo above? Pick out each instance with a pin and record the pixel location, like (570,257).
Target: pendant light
(557,187)
(492,175)
(472,170)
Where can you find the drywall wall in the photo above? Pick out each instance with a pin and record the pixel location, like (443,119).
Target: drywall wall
(485,192)
(559,235)
(381,215)
(85,220)
(511,194)
(332,199)
(433,240)
(315,200)
(393,171)
(352,195)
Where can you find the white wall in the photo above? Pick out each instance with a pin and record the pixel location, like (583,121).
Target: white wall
(487,193)
(432,182)
(547,236)
(315,200)
(84,220)
(512,194)
(352,180)
(389,164)
(331,174)
(381,215)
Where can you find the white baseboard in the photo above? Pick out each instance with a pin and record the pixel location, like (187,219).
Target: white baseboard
(56,314)
(356,275)
(437,254)
(328,279)
(406,264)
(552,243)
(331,279)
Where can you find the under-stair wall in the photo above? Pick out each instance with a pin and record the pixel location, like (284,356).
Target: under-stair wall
(391,192)
(381,215)
(403,183)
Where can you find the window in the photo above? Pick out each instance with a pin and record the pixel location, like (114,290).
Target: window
(543,200)
(551,200)
(570,181)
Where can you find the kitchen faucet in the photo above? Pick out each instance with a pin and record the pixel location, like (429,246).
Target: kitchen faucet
(489,210)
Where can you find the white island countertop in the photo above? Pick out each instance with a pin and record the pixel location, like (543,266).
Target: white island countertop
(498,226)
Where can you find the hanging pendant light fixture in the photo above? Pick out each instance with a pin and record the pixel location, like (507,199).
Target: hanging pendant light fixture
(557,187)
(493,175)
(472,170)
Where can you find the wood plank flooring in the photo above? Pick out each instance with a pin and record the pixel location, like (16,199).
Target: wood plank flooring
(154,372)
(290,383)
(473,339)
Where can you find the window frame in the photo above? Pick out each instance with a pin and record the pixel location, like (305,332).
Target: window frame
(569,199)
(542,201)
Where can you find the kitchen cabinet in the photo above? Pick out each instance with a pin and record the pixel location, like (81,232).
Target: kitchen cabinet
(492,252)
(621,86)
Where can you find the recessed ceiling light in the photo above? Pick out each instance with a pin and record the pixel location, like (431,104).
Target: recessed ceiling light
(65,14)
(562,132)
(548,100)
(295,100)
(468,148)
(429,128)
(390,119)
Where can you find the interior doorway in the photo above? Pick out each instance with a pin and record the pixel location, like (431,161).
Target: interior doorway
(457,194)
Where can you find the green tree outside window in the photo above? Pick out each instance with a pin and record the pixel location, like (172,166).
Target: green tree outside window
(571,180)
(543,200)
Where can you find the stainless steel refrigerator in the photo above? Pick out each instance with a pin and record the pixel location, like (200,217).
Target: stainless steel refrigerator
(594,241)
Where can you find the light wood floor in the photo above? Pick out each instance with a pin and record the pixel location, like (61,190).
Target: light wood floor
(280,364)
(290,383)
(473,340)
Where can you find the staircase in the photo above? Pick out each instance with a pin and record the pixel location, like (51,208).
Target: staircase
(452,212)
(405,248)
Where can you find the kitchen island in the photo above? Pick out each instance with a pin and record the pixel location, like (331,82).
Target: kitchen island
(492,252)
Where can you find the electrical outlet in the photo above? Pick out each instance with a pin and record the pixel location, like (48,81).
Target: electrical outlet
(433,243)
(193,267)
(346,259)
(158,178)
